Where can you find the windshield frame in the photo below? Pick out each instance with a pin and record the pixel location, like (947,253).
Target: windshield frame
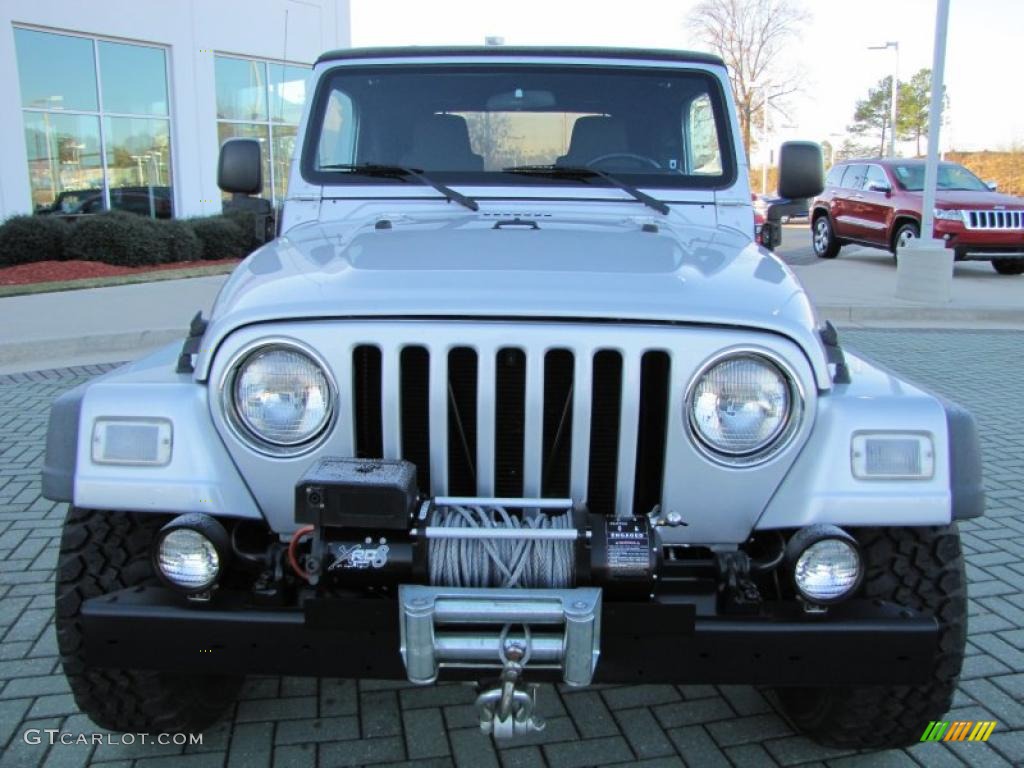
(666,181)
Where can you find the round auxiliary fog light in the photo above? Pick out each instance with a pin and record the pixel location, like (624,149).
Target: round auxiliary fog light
(825,562)
(191,552)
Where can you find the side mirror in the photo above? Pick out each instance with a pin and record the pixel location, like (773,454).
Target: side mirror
(801,169)
(992,186)
(240,169)
(877,186)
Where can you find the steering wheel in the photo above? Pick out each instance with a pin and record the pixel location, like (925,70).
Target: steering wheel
(639,159)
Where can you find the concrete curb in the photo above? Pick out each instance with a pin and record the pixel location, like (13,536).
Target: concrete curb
(28,355)
(923,314)
(24,353)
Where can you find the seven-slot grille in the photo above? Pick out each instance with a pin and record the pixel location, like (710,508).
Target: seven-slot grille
(992,219)
(509,422)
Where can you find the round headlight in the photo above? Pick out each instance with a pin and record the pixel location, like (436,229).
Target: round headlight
(741,406)
(188,559)
(826,563)
(282,396)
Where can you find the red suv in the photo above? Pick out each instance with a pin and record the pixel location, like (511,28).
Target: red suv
(878,203)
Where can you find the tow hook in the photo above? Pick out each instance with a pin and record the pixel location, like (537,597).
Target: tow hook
(509,709)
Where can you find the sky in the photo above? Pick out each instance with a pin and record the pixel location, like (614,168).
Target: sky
(834,66)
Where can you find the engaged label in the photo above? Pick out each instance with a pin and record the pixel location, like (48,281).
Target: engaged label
(629,548)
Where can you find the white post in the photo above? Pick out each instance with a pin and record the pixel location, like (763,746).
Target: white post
(925,265)
(931,169)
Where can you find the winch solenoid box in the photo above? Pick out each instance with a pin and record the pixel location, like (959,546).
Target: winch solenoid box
(357,493)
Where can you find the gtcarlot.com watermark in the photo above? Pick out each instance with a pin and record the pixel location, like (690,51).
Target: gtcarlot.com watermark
(54,736)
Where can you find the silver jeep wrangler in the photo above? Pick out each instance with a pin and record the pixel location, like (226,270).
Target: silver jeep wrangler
(514,397)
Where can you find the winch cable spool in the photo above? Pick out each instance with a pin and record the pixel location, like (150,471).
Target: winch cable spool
(500,562)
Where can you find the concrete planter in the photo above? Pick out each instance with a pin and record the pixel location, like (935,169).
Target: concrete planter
(925,272)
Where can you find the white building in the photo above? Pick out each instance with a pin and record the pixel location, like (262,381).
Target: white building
(124,103)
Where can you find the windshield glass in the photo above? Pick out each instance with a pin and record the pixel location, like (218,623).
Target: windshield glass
(651,127)
(951,176)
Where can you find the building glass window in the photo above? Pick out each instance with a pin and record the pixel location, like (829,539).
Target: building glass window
(97,124)
(134,79)
(262,100)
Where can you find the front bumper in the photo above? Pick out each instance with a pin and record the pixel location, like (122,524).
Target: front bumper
(668,641)
(980,244)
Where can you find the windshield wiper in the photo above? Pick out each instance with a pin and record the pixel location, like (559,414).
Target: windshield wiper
(401,171)
(582,172)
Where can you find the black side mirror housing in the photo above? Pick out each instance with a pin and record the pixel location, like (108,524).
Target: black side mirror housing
(240,169)
(771,235)
(801,169)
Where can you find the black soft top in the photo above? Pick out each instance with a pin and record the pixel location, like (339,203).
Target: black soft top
(503,51)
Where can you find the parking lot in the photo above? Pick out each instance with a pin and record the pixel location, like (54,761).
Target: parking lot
(288,721)
(796,251)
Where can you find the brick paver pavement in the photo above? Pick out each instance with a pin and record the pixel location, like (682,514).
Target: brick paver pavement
(294,721)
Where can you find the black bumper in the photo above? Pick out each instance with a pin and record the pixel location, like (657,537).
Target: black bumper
(859,642)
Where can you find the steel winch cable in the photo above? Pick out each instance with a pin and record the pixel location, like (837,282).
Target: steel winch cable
(504,562)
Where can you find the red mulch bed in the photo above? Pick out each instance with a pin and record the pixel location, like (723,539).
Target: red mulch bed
(54,271)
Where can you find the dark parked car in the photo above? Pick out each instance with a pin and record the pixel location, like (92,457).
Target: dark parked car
(879,202)
(74,201)
(794,209)
(145,201)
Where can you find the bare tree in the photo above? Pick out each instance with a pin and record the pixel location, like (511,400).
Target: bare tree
(750,35)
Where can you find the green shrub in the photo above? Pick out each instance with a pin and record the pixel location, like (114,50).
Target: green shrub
(253,226)
(221,237)
(124,239)
(25,239)
(180,240)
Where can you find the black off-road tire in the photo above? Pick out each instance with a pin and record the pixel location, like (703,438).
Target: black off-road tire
(823,238)
(102,552)
(1008,266)
(923,569)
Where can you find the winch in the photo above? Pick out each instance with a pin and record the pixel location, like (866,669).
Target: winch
(368,526)
(499,585)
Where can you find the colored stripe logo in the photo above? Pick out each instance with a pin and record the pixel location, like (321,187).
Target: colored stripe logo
(959,730)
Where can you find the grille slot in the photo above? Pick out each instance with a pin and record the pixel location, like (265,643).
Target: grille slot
(415,409)
(510,421)
(462,384)
(366,384)
(650,452)
(558,397)
(605,407)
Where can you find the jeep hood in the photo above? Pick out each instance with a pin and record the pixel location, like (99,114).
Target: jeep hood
(475,265)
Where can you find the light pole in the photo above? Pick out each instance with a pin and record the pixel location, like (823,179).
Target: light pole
(767,152)
(832,138)
(947,120)
(892,98)
(766,156)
